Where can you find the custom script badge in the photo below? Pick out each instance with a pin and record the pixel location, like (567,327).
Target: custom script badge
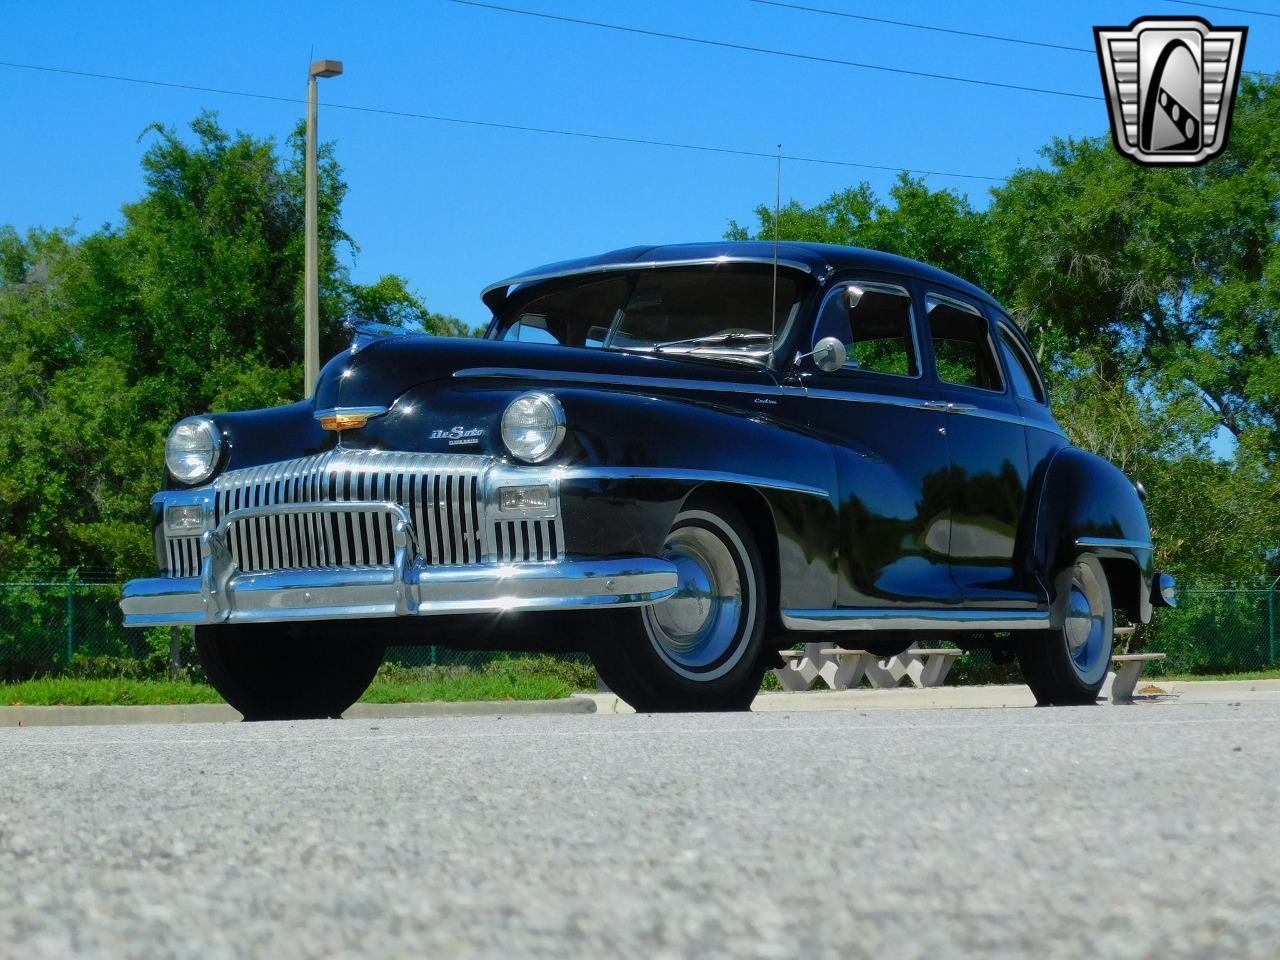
(1170,85)
(458,436)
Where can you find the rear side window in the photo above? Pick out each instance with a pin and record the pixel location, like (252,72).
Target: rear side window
(1022,370)
(873,321)
(962,349)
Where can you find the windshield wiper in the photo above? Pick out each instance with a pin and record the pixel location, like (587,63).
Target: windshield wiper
(714,340)
(736,337)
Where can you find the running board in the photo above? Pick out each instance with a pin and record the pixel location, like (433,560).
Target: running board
(853,618)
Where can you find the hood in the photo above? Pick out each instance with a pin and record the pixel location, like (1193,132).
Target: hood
(385,369)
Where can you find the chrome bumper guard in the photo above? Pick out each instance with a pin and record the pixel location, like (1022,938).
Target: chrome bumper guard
(224,594)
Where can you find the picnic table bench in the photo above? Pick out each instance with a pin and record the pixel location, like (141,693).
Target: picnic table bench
(1119,685)
(841,669)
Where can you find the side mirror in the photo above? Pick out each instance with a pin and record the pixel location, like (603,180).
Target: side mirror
(828,354)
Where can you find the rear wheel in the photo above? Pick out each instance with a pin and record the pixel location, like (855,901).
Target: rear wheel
(282,671)
(700,649)
(1068,665)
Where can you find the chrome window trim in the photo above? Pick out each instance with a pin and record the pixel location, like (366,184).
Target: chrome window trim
(943,299)
(920,618)
(878,286)
(1116,543)
(521,280)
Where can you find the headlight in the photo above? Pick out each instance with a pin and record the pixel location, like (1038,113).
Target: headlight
(191,452)
(533,426)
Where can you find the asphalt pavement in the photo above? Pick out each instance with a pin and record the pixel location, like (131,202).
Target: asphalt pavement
(1143,831)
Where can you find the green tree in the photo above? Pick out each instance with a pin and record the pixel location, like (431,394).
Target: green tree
(192,302)
(937,226)
(1151,297)
(1173,272)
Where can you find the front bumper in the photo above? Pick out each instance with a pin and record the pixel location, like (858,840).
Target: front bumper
(224,594)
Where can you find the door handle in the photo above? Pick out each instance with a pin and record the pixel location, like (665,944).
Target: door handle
(960,408)
(933,405)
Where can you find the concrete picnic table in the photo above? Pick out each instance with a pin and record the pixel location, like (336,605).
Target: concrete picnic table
(841,669)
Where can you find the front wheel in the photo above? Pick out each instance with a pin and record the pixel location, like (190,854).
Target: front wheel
(1067,665)
(282,671)
(700,649)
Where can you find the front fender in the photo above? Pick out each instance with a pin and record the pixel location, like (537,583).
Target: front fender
(638,459)
(253,437)
(1087,506)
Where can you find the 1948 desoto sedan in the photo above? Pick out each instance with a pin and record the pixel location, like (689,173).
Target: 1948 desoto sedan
(679,459)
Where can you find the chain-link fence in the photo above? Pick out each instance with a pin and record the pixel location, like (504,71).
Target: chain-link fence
(69,624)
(73,625)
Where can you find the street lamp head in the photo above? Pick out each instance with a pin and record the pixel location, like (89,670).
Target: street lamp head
(326,68)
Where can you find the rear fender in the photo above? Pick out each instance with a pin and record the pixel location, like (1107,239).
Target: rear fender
(1087,507)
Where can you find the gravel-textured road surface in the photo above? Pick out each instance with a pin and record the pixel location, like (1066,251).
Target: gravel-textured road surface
(1148,831)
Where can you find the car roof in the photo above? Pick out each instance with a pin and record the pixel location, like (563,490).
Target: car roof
(819,259)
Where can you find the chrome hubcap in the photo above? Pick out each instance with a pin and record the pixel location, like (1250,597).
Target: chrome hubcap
(698,625)
(1084,624)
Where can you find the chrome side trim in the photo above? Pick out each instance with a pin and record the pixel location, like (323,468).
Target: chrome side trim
(849,618)
(970,411)
(676,473)
(771,390)
(1114,543)
(940,405)
(520,280)
(364,592)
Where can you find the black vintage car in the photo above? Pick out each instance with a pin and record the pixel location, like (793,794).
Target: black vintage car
(679,459)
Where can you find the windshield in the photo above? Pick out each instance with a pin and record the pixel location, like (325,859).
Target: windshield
(726,309)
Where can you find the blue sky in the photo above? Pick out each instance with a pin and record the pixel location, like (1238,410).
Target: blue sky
(453,207)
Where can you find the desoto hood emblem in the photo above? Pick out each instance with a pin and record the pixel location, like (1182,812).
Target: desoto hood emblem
(458,436)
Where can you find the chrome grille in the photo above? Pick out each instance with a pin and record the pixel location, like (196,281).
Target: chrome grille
(184,556)
(439,491)
(520,540)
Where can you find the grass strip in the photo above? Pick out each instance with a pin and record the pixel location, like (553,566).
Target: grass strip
(475,686)
(80,692)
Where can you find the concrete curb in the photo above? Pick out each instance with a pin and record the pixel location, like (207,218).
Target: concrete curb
(980,698)
(221,713)
(901,698)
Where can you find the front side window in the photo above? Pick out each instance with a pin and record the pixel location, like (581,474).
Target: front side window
(725,309)
(962,350)
(873,321)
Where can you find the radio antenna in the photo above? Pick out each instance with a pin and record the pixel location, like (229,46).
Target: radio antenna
(773,304)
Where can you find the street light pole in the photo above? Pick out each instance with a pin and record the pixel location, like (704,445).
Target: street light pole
(311,297)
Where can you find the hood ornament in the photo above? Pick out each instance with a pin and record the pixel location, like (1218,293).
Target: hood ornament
(365,332)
